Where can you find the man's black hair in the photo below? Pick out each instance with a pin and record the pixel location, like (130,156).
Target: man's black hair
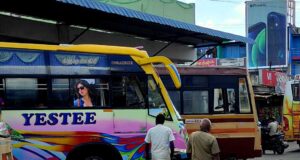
(160,119)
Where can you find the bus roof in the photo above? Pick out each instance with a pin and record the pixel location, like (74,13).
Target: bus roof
(199,70)
(86,48)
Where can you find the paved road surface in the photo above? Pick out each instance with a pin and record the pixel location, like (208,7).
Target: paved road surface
(291,153)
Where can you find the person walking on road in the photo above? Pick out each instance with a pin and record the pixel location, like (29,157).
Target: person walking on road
(161,139)
(202,145)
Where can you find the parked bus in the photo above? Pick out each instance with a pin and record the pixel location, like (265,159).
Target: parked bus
(44,102)
(291,110)
(225,96)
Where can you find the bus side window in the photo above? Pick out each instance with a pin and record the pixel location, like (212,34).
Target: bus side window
(244,96)
(175,97)
(118,91)
(296,93)
(59,96)
(128,91)
(25,92)
(2,89)
(42,93)
(231,98)
(102,88)
(86,92)
(218,101)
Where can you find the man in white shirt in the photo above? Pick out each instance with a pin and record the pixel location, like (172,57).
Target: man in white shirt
(273,126)
(161,139)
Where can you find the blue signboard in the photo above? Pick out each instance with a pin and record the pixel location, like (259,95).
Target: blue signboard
(21,61)
(123,63)
(63,63)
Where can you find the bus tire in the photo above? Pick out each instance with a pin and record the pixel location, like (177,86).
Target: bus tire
(279,149)
(94,151)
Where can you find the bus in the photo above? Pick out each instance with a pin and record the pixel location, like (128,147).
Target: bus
(225,96)
(39,88)
(291,110)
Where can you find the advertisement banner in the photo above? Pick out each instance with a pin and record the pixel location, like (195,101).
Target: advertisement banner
(273,79)
(232,62)
(226,62)
(268,78)
(281,79)
(207,62)
(266,24)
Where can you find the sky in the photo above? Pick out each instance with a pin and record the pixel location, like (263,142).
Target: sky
(226,15)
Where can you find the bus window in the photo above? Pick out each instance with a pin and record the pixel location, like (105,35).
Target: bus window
(22,92)
(2,89)
(296,93)
(42,93)
(156,102)
(243,96)
(218,101)
(175,97)
(95,89)
(60,96)
(195,102)
(231,100)
(127,91)
(102,89)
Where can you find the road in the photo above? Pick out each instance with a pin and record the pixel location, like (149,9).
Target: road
(291,153)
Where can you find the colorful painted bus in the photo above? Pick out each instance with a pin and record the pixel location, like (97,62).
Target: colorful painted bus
(225,96)
(39,90)
(291,110)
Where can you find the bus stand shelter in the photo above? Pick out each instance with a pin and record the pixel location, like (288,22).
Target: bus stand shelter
(162,35)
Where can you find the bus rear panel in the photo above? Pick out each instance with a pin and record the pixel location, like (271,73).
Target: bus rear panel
(225,96)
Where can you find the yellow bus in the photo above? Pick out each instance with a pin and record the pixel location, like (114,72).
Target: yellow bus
(225,96)
(84,101)
(291,110)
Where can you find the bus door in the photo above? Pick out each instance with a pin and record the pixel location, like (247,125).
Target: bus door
(129,105)
(295,113)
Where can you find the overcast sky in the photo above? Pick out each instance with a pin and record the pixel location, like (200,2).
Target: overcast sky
(226,15)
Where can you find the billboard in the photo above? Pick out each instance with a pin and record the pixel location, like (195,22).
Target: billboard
(266,24)
(273,79)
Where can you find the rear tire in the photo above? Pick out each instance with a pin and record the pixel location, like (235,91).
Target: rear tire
(279,149)
(94,152)
(93,156)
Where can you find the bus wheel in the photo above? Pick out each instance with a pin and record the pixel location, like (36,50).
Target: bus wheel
(280,149)
(232,158)
(93,158)
(95,152)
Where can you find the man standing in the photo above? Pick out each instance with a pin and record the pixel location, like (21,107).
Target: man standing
(202,145)
(161,139)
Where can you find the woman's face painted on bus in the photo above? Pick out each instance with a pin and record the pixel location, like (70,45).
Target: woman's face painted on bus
(82,90)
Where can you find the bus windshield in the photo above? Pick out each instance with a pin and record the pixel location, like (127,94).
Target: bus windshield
(156,102)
